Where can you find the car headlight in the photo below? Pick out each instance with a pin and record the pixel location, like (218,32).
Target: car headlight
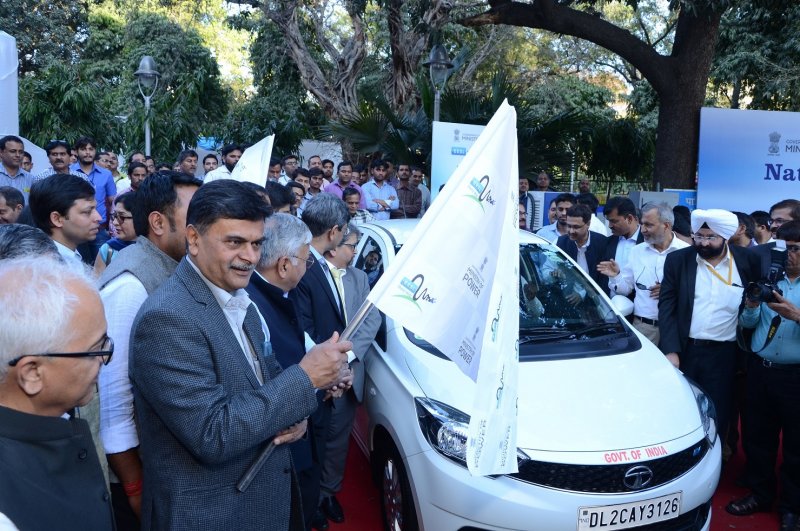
(446,429)
(708,414)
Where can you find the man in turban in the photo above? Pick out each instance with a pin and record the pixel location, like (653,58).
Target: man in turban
(701,295)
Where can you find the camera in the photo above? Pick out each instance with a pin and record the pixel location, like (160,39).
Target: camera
(761,291)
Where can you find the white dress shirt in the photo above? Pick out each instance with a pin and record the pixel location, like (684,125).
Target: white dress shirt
(716,303)
(595,225)
(550,232)
(645,266)
(234,306)
(624,248)
(222,172)
(581,257)
(122,298)
(70,256)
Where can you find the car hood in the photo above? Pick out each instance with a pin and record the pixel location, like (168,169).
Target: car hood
(600,404)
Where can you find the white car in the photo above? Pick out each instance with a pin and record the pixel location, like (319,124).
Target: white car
(610,435)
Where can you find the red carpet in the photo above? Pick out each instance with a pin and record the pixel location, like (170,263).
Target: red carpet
(361,504)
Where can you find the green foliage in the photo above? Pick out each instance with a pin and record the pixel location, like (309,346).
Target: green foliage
(59,104)
(46,31)
(757,56)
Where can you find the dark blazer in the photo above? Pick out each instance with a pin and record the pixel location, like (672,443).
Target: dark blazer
(764,254)
(594,255)
(676,301)
(288,344)
(613,242)
(204,417)
(317,305)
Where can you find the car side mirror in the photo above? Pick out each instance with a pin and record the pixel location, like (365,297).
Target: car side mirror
(623,304)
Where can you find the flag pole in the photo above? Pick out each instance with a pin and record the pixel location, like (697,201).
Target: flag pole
(254,468)
(356,321)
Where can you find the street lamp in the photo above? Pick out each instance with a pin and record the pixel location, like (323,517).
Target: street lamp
(147,79)
(440,65)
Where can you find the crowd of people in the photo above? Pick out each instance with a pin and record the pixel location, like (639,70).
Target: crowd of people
(209,328)
(225,301)
(703,291)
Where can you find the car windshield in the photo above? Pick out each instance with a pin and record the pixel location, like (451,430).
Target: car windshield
(561,313)
(555,297)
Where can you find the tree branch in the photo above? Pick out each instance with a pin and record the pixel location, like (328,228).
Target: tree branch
(548,15)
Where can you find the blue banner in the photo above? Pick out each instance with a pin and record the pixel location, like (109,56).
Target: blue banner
(748,160)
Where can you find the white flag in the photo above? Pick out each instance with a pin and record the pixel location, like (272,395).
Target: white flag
(254,164)
(455,283)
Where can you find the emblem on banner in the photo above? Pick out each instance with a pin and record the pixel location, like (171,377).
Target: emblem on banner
(774,139)
(413,291)
(479,191)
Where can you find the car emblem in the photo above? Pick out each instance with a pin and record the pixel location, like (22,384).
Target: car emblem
(638,477)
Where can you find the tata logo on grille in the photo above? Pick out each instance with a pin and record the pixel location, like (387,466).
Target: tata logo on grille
(638,477)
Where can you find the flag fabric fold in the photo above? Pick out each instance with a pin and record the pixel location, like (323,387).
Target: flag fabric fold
(455,283)
(253,166)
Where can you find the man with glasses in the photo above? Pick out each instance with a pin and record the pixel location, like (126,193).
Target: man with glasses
(586,247)
(644,267)
(285,258)
(318,301)
(353,286)
(209,396)
(779,213)
(288,165)
(51,349)
(773,394)
(701,293)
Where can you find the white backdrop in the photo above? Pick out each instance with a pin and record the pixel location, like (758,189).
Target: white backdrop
(9,117)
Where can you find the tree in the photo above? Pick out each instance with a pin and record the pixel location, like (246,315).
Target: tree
(678,77)
(758,55)
(190,100)
(46,31)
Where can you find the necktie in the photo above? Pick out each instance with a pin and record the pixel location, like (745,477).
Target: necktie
(255,335)
(336,274)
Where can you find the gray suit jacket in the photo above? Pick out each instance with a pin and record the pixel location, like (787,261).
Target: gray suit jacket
(356,289)
(204,417)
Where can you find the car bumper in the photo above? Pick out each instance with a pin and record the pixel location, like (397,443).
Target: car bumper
(447,497)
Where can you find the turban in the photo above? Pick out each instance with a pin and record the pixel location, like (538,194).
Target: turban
(722,222)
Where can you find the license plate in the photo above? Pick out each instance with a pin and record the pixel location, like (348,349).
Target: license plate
(627,515)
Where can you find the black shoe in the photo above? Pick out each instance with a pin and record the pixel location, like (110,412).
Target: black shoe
(747,505)
(790,522)
(319,522)
(331,508)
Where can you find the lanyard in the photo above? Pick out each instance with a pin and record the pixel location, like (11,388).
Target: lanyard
(730,271)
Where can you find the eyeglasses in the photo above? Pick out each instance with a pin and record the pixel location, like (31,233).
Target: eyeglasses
(351,245)
(119,217)
(105,352)
(793,248)
(641,286)
(309,260)
(778,222)
(700,238)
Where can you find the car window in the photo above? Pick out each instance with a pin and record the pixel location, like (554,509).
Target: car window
(370,260)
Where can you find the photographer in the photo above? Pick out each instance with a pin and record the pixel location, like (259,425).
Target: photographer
(773,388)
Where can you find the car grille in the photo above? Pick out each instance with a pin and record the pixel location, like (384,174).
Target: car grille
(608,478)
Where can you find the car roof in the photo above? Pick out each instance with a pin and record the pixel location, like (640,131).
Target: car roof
(401,229)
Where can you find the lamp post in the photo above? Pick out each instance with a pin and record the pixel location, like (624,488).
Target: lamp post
(440,65)
(147,79)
